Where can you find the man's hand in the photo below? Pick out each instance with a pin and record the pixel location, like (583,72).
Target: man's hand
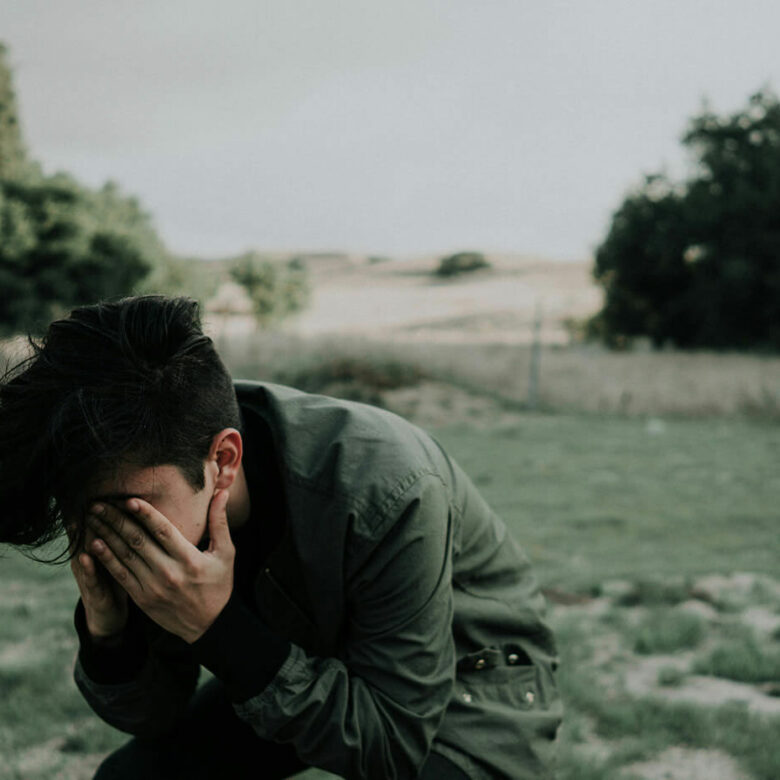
(172,581)
(105,603)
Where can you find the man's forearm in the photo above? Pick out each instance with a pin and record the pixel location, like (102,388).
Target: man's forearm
(115,659)
(241,651)
(138,684)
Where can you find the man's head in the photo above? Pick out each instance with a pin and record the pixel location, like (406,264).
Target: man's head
(111,391)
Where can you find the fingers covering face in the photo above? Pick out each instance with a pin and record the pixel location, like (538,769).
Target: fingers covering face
(119,540)
(161,529)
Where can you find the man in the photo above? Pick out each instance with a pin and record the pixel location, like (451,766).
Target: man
(359,605)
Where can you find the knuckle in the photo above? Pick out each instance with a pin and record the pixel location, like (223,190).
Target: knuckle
(194,568)
(153,594)
(128,554)
(137,540)
(171,579)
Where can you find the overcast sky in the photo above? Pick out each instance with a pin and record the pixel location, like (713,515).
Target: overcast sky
(399,127)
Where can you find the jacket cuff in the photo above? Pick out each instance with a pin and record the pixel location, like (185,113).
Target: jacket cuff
(241,651)
(116,663)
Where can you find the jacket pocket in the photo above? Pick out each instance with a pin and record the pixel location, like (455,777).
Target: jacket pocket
(503,675)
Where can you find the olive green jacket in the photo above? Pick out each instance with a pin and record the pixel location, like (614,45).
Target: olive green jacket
(415,622)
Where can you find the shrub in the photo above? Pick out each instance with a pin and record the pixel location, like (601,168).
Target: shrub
(668,630)
(275,289)
(461,262)
(741,659)
(653,593)
(670,676)
(358,379)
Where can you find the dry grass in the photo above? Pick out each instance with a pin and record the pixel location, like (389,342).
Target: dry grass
(573,379)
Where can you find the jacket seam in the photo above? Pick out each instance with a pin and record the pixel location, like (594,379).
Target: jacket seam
(374,515)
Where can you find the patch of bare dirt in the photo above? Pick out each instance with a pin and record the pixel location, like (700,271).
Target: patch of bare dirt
(79,767)
(606,626)
(28,652)
(641,679)
(678,763)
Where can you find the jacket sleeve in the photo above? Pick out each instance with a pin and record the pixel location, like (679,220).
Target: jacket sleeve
(141,687)
(374,711)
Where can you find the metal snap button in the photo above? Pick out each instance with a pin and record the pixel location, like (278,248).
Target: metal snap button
(479,663)
(529,697)
(513,658)
(467,698)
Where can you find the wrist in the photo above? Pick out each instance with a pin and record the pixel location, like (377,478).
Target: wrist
(106,640)
(111,663)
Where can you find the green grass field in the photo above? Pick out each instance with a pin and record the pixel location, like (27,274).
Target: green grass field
(623,514)
(591,497)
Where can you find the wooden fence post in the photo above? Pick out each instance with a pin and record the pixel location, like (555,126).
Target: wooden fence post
(536,356)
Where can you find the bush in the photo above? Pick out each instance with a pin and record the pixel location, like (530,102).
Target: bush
(460,263)
(356,379)
(654,593)
(741,659)
(275,289)
(670,677)
(668,630)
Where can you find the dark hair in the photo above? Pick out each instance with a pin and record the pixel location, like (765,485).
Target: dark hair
(134,380)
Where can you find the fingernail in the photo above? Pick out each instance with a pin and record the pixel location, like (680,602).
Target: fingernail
(97,545)
(98,509)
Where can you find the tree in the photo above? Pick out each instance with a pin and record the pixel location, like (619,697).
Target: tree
(13,157)
(55,253)
(62,244)
(276,290)
(697,263)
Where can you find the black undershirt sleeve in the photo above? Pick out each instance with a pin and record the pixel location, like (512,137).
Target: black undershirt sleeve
(117,662)
(237,648)
(240,650)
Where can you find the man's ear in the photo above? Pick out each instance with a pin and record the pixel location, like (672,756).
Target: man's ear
(226,452)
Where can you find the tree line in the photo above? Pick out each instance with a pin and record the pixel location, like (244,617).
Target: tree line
(691,264)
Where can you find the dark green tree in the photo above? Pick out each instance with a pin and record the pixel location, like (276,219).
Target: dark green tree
(55,253)
(697,264)
(62,244)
